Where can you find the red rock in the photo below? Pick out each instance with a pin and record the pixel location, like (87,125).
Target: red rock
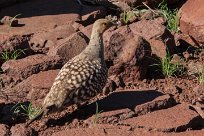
(194,67)
(4,130)
(44,79)
(106,130)
(70,47)
(110,117)
(42,42)
(48,14)
(126,54)
(145,132)
(33,89)
(188,133)
(40,85)
(119,106)
(94,131)
(2,101)
(156,34)
(192,19)
(185,39)
(177,118)
(23,68)
(13,42)
(20,130)
(161,102)
(6,81)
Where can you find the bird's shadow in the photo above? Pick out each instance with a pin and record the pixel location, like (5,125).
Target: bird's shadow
(115,101)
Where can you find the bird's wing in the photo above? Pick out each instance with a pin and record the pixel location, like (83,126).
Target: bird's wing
(73,75)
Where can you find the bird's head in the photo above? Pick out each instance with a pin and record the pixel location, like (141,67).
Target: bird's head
(101,25)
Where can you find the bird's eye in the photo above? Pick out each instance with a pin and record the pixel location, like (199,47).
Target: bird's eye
(105,24)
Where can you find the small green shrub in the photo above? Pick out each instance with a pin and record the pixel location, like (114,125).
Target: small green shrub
(171,16)
(12,55)
(167,68)
(24,110)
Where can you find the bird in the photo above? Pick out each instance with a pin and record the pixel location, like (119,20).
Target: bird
(81,78)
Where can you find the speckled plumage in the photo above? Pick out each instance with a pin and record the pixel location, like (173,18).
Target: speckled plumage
(79,80)
(82,77)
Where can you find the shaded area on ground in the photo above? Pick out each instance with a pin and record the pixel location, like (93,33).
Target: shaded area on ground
(115,101)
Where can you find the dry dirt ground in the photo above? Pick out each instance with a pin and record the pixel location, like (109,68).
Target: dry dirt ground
(138,99)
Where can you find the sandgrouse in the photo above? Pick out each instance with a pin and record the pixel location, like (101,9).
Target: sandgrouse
(82,77)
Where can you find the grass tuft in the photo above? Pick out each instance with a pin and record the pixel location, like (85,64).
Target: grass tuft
(167,68)
(171,16)
(12,55)
(28,111)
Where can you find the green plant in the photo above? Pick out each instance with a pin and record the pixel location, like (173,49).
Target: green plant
(97,115)
(167,68)
(126,15)
(171,16)
(13,19)
(12,55)
(28,111)
(201,76)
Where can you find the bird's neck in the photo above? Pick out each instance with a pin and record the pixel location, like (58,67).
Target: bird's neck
(95,48)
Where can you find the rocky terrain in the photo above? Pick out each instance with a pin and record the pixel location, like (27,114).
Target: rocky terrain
(156,66)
